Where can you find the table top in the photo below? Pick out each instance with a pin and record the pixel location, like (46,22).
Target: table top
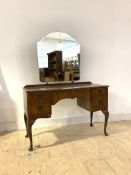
(61,86)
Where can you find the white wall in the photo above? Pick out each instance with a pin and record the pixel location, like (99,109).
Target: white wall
(103,29)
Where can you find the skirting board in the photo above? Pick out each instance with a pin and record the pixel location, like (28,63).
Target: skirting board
(98,117)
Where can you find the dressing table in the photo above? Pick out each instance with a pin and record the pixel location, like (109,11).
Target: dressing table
(59,66)
(38,100)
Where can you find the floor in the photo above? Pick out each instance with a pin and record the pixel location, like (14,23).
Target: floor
(69,150)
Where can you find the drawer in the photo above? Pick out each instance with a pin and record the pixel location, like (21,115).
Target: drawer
(39,104)
(99,103)
(35,98)
(76,93)
(97,92)
(62,94)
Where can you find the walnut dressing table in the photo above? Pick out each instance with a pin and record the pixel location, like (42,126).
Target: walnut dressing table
(38,100)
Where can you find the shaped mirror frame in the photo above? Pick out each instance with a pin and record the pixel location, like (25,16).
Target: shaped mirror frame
(58,58)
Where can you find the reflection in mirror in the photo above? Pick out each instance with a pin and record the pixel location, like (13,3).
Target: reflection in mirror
(58,58)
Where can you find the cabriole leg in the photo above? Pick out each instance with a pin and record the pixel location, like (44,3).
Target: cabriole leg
(91,117)
(29,126)
(25,119)
(106,113)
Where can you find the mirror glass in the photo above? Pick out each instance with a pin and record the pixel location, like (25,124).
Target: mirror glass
(58,58)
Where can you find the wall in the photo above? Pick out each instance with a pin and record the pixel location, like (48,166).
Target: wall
(103,29)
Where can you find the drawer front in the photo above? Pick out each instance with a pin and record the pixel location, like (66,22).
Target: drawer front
(98,92)
(77,93)
(99,103)
(73,93)
(62,94)
(39,104)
